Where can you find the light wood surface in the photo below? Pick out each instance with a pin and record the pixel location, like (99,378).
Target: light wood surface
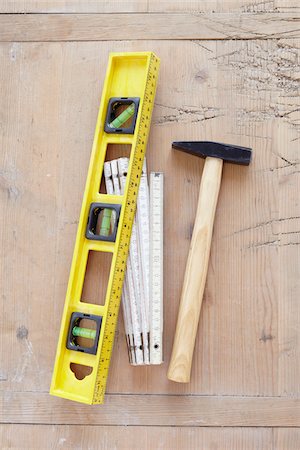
(147,409)
(243,90)
(156,26)
(195,273)
(143,6)
(136,438)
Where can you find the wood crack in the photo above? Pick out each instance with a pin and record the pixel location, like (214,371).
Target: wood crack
(263,244)
(263,224)
(189,114)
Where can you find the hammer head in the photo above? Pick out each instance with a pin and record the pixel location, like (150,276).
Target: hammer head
(230,153)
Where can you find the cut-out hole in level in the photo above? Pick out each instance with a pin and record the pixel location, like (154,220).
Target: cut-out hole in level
(80,371)
(96,277)
(114,151)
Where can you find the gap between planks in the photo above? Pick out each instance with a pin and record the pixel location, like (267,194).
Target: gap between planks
(147,26)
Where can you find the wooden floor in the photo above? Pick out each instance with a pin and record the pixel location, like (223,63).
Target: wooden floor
(229,72)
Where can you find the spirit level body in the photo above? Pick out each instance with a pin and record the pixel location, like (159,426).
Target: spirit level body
(129,75)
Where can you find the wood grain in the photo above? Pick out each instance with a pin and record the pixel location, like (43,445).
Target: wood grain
(224,6)
(239,86)
(286,439)
(152,410)
(132,6)
(33,437)
(46,144)
(97,27)
(195,273)
(72,6)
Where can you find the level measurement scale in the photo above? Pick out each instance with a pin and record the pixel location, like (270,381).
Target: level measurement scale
(156,267)
(130,81)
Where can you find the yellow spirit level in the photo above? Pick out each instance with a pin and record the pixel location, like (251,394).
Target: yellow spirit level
(124,118)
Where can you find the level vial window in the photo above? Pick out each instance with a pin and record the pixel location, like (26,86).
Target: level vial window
(103,222)
(121,115)
(84,331)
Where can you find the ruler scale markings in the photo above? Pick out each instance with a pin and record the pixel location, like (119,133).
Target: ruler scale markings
(110,189)
(132,270)
(138,156)
(156,267)
(142,215)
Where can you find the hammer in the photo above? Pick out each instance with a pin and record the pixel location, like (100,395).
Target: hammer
(197,263)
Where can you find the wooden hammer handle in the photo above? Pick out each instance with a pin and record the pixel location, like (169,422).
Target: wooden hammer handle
(195,273)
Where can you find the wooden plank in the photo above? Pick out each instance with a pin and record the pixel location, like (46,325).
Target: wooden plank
(152,410)
(239,92)
(224,6)
(212,6)
(72,6)
(35,437)
(286,439)
(288,231)
(96,27)
(287,5)
(31,437)
(132,6)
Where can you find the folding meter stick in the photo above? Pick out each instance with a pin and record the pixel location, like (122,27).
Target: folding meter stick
(136,301)
(87,330)
(108,177)
(131,277)
(142,314)
(143,212)
(140,233)
(156,267)
(149,313)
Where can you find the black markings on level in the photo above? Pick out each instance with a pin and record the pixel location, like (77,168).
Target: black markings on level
(120,265)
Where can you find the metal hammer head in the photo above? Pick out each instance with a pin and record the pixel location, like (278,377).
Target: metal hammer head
(230,153)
